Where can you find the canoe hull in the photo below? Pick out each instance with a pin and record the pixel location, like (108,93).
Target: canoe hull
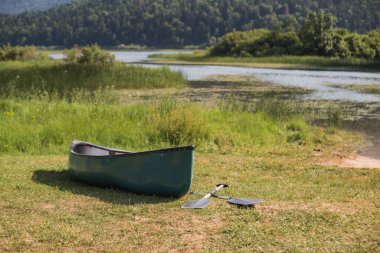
(167,173)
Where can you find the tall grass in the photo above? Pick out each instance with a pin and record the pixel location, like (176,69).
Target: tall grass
(64,80)
(275,109)
(48,127)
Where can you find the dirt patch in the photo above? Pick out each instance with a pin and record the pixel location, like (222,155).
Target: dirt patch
(360,162)
(355,162)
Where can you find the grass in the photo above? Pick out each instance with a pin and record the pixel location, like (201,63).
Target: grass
(48,127)
(370,88)
(308,208)
(259,153)
(263,148)
(25,79)
(286,62)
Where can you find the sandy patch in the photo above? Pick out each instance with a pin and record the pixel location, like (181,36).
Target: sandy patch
(356,162)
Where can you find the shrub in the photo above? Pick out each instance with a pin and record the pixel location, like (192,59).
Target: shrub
(89,54)
(235,43)
(340,47)
(359,46)
(17,53)
(374,42)
(179,125)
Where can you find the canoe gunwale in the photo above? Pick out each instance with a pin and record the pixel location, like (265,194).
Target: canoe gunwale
(125,152)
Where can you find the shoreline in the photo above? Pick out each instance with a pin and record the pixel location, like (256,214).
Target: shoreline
(284,66)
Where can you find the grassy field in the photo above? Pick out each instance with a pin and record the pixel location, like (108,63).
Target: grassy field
(264,149)
(285,62)
(308,208)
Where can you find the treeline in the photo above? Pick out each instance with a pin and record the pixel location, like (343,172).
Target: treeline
(318,36)
(171,22)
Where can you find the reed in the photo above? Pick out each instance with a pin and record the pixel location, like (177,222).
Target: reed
(64,80)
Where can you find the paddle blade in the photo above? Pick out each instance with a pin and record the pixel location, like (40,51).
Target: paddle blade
(200,203)
(244,201)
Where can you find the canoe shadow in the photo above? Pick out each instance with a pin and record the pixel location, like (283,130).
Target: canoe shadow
(62,181)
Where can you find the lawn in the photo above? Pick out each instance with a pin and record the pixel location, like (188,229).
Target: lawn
(308,208)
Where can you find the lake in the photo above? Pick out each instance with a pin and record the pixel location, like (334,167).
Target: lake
(318,81)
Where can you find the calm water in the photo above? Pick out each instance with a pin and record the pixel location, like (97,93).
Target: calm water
(318,81)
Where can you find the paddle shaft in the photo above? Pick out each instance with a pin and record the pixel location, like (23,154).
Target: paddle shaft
(208,195)
(213,195)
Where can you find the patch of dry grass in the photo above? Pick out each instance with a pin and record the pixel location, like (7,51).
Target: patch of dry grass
(308,208)
(370,88)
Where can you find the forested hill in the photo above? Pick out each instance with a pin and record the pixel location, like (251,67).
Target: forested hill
(18,6)
(171,22)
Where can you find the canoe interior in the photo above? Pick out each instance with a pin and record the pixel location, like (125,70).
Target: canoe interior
(89,149)
(93,150)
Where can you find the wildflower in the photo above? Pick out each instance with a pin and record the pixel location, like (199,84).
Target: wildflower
(8,114)
(17,76)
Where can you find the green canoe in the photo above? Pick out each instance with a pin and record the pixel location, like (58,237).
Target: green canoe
(164,172)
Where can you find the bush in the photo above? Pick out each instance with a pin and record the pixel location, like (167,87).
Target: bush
(359,46)
(178,124)
(17,53)
(277,43)
(88,55)
(374,42)
(235,43)
(340,47)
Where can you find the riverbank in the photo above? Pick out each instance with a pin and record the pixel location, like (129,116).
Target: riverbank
(276,62)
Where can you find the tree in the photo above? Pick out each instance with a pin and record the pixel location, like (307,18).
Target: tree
(290,24)
(318,32)
(374,41)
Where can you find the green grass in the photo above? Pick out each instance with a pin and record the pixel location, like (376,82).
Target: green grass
(38,78)
(262,149)
(288,62)
(48,127)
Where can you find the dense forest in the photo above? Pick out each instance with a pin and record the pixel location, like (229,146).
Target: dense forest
(18,6)
(171,22)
